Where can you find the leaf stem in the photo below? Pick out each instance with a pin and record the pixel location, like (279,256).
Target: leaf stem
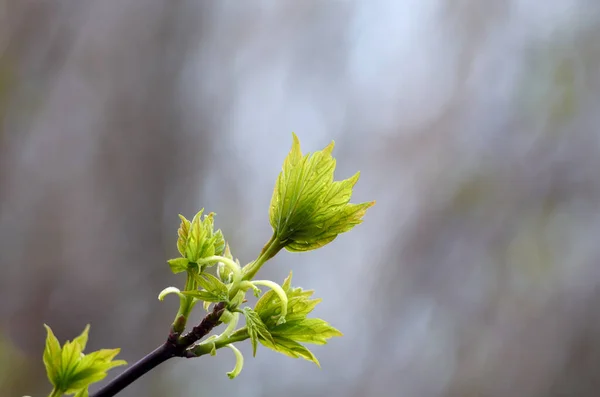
(205,348)
(185,306)
(234,267)
(269,250)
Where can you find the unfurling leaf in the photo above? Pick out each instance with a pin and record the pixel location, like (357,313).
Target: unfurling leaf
(183,234)
(224,272)
(299,304)
(286,337)
(197,239)
(308,208)
(178,265)
(256,328)
(219,242)
(214,289)
(211,284)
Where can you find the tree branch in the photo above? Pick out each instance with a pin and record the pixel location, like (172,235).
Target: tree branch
(175,346)
(131,374)
(206,325)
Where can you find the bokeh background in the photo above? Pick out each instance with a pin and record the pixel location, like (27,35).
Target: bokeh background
(474,124)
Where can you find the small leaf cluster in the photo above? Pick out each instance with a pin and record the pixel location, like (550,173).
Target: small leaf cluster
(308,210)
(286,337)
(196,240)
(69,370)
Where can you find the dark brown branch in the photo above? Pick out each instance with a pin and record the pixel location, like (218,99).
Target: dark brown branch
(206,325)
(175,346)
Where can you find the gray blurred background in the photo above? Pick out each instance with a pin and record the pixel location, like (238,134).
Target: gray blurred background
(474,123)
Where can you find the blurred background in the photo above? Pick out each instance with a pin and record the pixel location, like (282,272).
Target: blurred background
(473,122)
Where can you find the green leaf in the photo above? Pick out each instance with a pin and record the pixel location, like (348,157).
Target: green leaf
(83,338)
(286,337)
(299,305)
(205,296)
(256,328)
(71,355)
(308,330)
(82,393)
(290,348)
(212,284)
(93,367)
(308,208)
(197,239)
(219,242)
(102,358)
(178,265)
(224,272)
(207,247)
(71,371)
(214,289)
(52,357)
(331,225)
(183,234)
(91,376)
(237,300)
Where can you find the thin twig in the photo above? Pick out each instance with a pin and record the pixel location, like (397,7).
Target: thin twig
(206,325)
(171,348)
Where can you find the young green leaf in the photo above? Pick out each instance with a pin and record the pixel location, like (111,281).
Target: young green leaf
(69,370)
(218,242)
(211,284)
(83,338)
(82,393)
(286,337)
(308,208)
(52,357)
(92,368)
(183,234)
(214,289)
(256,328)
(224,272)
(299,305)
(308,330)
(178,265)
(197,239)
(71,354)
(290,348)
(205,296)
